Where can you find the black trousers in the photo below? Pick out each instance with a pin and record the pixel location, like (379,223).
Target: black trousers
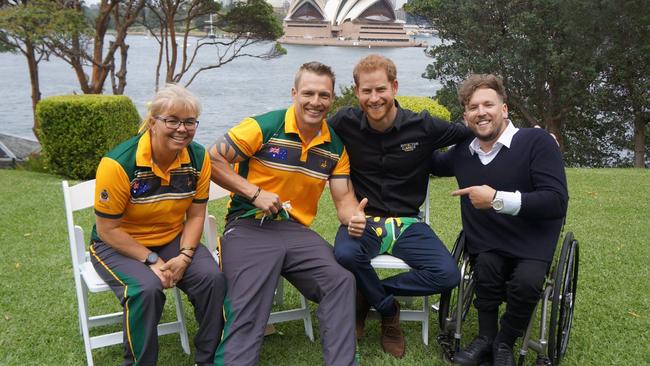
(516,281)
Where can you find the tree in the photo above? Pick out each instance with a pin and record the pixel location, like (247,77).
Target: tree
(27,26)
(624,84)
(546,51)
(79,51)
(245,23)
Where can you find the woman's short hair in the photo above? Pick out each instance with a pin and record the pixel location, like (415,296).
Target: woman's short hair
(480,81)
(170,98)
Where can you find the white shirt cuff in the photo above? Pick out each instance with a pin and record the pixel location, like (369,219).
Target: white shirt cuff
(511,202)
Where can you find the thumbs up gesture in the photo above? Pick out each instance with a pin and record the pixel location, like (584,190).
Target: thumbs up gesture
(357,223)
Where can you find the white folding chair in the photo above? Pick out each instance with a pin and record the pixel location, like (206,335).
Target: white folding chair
(79,197)
(210,236)
(386,261)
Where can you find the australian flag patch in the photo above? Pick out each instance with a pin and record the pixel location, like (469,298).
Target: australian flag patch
(277,152)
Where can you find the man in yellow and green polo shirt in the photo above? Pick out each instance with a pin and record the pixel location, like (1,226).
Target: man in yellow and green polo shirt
(282,160)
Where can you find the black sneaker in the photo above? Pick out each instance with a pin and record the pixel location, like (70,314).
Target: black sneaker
(477,352)
(503,355)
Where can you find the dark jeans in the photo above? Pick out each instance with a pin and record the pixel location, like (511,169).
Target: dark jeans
(434,269)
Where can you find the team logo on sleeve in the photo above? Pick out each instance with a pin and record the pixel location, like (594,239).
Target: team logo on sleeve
(103,196)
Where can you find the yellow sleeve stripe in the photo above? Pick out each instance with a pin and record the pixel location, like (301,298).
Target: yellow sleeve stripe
(343,166)
(247,135)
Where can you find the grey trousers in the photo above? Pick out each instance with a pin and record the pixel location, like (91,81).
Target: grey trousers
(253,257)
(141,294)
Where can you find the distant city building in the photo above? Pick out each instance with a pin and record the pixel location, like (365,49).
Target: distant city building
(345,22)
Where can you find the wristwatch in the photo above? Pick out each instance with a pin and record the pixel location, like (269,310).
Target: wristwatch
(497,204)
(152,258)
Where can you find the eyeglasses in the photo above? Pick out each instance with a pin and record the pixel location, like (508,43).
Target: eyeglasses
(173,122)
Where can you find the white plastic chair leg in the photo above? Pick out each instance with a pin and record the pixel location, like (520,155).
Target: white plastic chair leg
(185,342)
(309,329)
(425,321)
(278,298)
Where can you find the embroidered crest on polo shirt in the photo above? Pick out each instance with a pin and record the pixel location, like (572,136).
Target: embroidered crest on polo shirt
(278,152)
(103,196)
(410,146)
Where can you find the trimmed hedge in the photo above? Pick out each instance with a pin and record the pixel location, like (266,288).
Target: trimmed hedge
(77,130)
(418,104)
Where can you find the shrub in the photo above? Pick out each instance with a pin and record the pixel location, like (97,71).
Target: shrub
(344,98)
(34,163)
(418,104)
(77,130)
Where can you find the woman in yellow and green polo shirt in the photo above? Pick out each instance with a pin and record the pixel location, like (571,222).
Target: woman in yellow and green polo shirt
(150,200)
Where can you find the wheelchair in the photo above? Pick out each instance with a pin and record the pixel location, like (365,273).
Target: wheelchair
(556,312)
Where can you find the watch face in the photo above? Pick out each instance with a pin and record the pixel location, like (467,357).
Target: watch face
(152,258)
(497,204)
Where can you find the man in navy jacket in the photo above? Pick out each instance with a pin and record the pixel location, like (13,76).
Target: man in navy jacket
(513,196)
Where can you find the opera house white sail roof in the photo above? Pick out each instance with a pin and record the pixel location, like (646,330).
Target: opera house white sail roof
(338,11)
(363,23)
(307,10)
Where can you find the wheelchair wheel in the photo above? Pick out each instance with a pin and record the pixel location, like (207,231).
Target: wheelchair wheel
(447,312)
(449,337)
(565,283)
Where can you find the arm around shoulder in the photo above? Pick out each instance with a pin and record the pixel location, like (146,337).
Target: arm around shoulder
(446,133)
(441,163)
(549,198)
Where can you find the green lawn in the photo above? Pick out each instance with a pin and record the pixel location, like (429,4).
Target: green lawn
(608,212)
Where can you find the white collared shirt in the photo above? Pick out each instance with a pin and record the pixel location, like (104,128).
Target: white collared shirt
(504,140)
(511,200)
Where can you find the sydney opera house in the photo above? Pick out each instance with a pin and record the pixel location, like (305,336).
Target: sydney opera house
(365,23)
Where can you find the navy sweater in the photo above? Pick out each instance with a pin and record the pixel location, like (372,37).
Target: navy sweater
(533,166)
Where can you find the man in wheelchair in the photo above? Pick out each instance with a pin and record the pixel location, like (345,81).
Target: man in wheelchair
(513,196)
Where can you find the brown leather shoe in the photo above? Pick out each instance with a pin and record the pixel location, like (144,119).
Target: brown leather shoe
(363,307)
(392,337)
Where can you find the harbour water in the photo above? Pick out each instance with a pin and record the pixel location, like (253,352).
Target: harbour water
(245,87)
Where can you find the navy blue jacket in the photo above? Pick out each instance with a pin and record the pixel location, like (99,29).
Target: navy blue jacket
(532,165)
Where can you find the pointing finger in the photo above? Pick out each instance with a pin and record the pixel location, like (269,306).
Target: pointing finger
(461,192)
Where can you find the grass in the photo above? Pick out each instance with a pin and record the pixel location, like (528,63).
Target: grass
(608,212)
